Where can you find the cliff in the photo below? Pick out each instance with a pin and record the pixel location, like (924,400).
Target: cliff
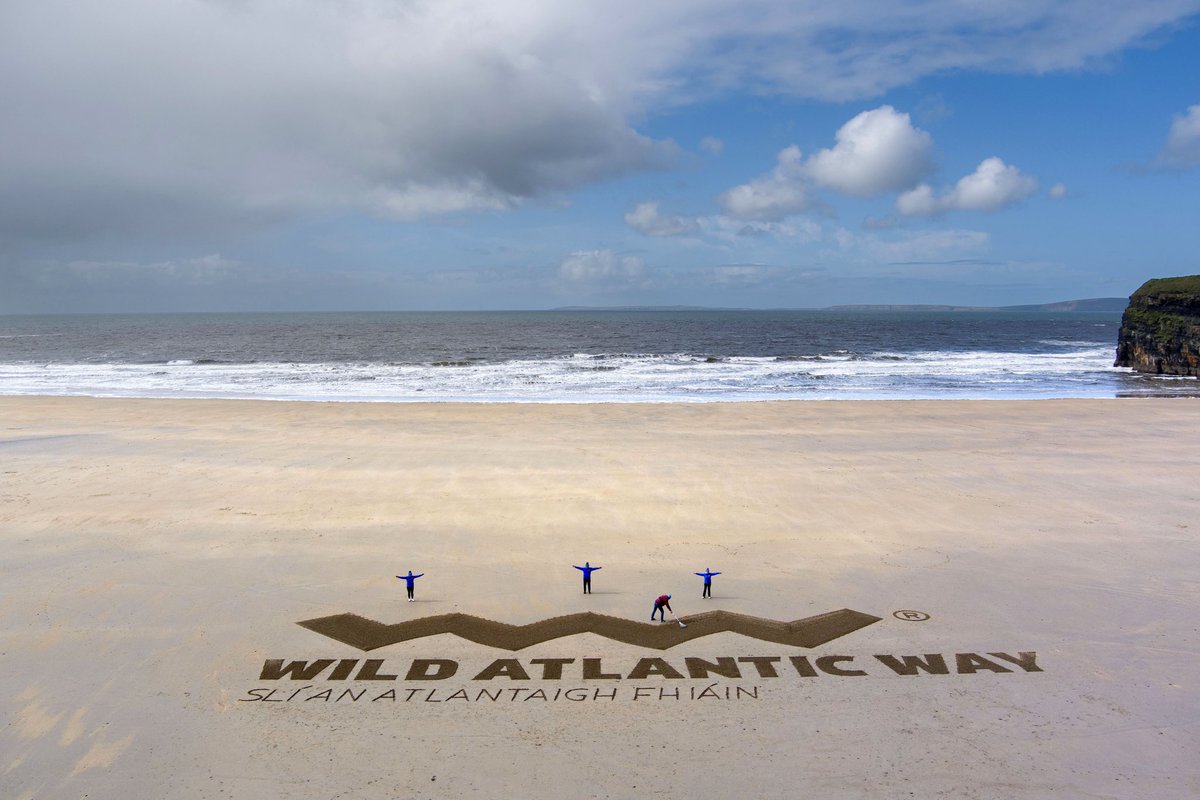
(1160,331)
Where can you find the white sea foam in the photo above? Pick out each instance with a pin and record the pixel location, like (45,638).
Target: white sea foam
(1083,372)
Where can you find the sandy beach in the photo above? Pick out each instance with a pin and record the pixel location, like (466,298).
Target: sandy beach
(1024,575)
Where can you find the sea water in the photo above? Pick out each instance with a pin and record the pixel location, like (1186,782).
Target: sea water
(573,356)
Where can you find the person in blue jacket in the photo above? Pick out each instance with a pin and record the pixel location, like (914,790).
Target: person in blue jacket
(410,580)
(587,569)
(708,576)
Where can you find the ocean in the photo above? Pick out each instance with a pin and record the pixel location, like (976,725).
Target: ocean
(573,356)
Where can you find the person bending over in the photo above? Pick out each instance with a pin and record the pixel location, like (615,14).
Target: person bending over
(662,602)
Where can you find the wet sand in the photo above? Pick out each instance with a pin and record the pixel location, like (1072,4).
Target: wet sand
(159,555)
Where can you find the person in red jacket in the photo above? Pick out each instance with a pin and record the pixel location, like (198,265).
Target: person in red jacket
(664,601)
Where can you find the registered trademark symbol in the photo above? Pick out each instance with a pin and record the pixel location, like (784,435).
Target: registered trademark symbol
(910,616)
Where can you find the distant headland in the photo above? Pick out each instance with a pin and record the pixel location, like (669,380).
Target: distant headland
(1095,305)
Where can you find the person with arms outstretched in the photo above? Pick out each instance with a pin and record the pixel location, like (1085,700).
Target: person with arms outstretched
(660,603)
(587,569)
(410,580)
(708,576)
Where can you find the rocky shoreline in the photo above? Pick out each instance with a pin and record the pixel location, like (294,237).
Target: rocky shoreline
(1160,330)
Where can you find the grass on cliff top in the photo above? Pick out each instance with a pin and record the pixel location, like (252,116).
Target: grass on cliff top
(1186,285)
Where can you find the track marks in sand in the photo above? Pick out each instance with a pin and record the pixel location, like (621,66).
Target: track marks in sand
(36,720)
(102,754)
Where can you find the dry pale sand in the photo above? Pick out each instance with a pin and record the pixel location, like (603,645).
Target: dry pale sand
(158,555)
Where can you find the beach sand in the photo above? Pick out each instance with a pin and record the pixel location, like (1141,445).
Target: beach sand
(158,555)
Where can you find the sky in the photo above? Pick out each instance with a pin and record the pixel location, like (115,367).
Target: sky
(280,155)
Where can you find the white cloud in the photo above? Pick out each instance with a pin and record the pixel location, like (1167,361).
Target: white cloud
(1182,149)
(915,246)
(772,197)
(858,48)
(600,265)
(992,186)
(646,220)
(712,145)
(416,200)
(730,229)
(885,223)
(877,151)
(1058,191)
(919,202)
(740,275)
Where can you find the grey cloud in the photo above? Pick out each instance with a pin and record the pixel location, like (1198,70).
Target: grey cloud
(137,116)
(180,274)
(144,119)
(214,282)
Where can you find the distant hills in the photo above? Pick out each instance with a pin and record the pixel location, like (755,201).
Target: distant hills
(646,308)
(1095,305)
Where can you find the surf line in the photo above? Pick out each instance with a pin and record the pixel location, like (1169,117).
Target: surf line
(591,669)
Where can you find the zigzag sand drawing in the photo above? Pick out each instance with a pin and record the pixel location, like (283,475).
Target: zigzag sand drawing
(367,634)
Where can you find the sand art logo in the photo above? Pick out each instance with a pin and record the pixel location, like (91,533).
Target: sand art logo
(596,679)
(367,634)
